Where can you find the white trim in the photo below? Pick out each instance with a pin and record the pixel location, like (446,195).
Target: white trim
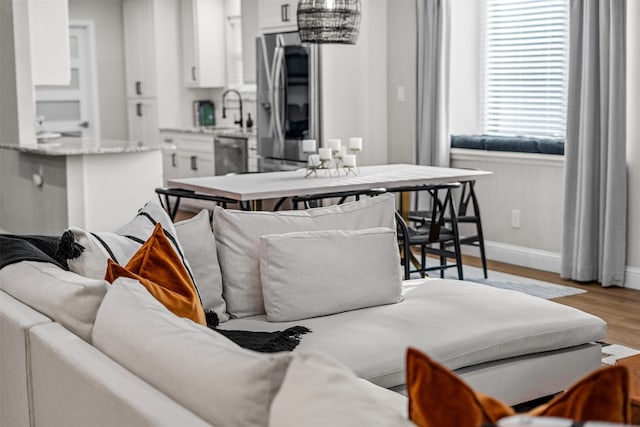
(519,255)
(511,157)
(539,260)
(632,278)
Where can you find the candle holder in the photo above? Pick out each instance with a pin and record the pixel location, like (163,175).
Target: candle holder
(334,157)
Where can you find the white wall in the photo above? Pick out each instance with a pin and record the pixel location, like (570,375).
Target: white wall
(633,131)
(354,81)
(401,68)
(107,15)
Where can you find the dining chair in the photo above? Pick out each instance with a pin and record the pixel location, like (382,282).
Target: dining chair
(433,233)
(312,200)
(166,194)
(468,212)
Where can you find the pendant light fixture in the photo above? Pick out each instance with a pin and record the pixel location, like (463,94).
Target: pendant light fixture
(329,21)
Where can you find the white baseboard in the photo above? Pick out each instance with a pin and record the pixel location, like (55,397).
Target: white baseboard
(632,278)
(519,255)
(538,259)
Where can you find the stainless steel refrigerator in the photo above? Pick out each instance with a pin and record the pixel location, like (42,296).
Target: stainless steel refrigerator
(287,100)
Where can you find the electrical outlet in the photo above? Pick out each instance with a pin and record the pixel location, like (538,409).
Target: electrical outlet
(515,218)
(400,94)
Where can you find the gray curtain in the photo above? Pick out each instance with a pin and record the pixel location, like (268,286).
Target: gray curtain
(433,83)
(595,182)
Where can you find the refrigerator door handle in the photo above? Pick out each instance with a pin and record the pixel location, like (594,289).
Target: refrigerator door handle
(268,102)
(277,120)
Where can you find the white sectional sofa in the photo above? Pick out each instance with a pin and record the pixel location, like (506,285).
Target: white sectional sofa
(71,356)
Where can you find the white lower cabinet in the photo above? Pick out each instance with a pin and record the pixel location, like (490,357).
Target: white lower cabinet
(186,155)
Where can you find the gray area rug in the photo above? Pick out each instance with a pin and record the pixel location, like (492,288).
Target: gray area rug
(537,288)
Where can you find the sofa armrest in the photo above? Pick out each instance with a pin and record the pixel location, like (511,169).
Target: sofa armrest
(74,384)
(15,321)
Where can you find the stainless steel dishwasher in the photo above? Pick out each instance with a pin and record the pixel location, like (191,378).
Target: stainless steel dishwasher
(231,155)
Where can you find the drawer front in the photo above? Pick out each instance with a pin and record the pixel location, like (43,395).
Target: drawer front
(200,144)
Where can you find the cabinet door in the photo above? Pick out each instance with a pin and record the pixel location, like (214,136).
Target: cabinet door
(195,155)
(143,121)
(278,15)
(139,48)
(169,165)
(203,43)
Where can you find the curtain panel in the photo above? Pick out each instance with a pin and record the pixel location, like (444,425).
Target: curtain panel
(595,182)
(433,145)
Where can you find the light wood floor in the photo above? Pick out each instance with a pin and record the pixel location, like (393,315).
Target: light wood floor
(619,307)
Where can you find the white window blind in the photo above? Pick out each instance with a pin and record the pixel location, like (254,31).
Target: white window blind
(525,64)
(234,51)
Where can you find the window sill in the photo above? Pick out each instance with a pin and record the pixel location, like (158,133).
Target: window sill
(467,154)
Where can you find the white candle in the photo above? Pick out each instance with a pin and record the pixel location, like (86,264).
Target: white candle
(349,160)
(314,160)
(355,143)
(309,145)
(334,144)
(325,153)
(343,151)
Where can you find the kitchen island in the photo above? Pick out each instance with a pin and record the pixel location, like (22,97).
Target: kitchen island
(96,184)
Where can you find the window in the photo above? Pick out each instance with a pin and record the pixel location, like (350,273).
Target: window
(234,51)
(525,67)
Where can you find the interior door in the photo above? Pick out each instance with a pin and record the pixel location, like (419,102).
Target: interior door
(73,109)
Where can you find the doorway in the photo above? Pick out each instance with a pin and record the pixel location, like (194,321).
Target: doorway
(72,110)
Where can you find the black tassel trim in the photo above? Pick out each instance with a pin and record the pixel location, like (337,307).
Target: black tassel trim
(212,319)
(267,342)
(68,248)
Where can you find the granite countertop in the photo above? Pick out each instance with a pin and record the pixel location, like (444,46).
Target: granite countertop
(234,132)
(69,146)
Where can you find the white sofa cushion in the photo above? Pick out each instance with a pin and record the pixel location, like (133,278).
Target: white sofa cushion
(457,323)
(315,273)
(67,298)
(202,370)
(122,244)
(319,391)
(238,236)
(199,245)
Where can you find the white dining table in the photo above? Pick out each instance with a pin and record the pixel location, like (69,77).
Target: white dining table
(276,185)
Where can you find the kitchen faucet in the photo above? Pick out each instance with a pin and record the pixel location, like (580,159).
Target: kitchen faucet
(224,108)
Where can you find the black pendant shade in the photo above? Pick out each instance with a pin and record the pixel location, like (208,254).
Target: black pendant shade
(329,21)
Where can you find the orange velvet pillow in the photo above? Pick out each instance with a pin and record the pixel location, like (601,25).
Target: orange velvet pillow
(157,266)
(438,398)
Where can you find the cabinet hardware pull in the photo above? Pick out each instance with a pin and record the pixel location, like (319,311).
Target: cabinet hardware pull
(138,88)
(139,109)
(169,140)
(173,160)
(193,73)
(284,12)
(194,164)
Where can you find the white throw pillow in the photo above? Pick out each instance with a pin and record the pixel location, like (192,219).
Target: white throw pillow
(199,245)
(319,391)
(315,273)
(121,245)
(67,298)
(238,236)
(202,370)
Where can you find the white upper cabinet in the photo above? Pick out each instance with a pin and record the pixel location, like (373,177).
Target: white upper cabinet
(139,48)
(278,16)
(49,39)
(203,43)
